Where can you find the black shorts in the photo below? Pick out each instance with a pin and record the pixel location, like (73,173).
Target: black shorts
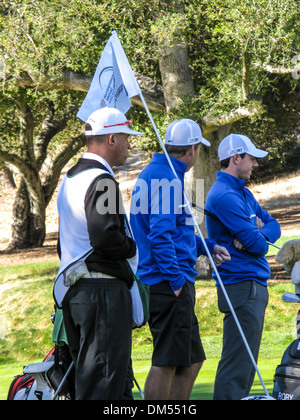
(174,326)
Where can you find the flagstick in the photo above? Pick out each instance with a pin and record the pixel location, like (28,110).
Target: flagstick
(127,75)
(206,249)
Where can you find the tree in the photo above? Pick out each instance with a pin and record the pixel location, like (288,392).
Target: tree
(35,191)
(207,60)
(40,84)
(233,61)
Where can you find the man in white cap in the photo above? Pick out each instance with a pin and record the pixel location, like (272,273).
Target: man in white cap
(93,229)
(168,250)
(244,228)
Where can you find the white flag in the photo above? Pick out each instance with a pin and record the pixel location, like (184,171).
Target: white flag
(113,83)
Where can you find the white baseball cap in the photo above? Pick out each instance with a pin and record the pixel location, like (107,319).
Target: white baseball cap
(184,132)
(109,121)
(237,144)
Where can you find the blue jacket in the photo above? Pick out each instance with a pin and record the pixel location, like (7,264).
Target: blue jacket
(237,209)
(168,246)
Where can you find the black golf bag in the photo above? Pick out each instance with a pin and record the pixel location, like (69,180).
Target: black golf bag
(287,375)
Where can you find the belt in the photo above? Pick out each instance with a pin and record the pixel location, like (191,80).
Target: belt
(97,275)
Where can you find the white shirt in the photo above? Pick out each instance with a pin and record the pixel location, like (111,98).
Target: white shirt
(93,156)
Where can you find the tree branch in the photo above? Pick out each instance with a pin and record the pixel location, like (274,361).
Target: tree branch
(65,80)
(26,131)
(59,163)
(14,160)
(50,128)
(246,76)
(213,123)
(69,80)
(28,172)
(276,69)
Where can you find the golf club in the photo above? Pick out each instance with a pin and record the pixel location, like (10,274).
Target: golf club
(275,246)
(63,381)
(208,213)
(139,388)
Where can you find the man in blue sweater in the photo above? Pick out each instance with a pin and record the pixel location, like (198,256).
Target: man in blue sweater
(168,250)
(244,228)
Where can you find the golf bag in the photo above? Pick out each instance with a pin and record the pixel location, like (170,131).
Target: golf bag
(40,381)
(287,375)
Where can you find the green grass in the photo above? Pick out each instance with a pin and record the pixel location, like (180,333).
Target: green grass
(26,305)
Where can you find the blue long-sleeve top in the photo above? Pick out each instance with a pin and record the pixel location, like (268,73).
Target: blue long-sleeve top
(168,246)
(236,210)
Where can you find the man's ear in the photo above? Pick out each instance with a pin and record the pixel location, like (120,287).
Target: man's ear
(192,150)
(111,139)
(235,159)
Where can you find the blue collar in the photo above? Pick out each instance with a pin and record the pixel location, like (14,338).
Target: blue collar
(179,166)
(236,183)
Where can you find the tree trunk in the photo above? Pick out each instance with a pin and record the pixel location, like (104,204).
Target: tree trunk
(28,227)
(33,196)
(174,57)
(19,235)
(246,76)
(177,83)
(176,76)
(204,173)
(7,176)
(206,166)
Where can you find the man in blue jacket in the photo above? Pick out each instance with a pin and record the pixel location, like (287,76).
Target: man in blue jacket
(244,228)
(168,250)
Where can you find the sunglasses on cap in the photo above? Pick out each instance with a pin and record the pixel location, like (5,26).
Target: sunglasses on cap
(129,122)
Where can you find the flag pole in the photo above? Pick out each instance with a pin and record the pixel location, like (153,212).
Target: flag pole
(189,205)
(125,73)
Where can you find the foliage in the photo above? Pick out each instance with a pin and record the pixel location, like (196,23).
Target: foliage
(265,30)
(50,36)
(44,38)
(141,122)
(275,130)
(282,156)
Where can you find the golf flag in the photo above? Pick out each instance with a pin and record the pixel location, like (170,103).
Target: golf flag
(113,82)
